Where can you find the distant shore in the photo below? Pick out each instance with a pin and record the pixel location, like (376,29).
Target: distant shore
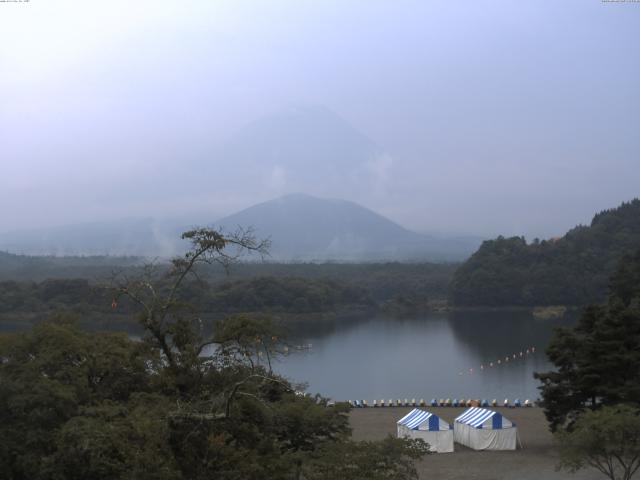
(126,321)
(540,312)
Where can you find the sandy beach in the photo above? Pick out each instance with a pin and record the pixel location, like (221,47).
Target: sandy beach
(536,460)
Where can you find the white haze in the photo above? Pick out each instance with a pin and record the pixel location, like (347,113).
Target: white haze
(483,117)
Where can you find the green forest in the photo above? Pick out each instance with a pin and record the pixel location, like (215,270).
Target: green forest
(571,270)
(292,290)
(592,395)
(104,405)
(80,405)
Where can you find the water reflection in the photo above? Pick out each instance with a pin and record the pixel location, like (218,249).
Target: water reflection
(425,357)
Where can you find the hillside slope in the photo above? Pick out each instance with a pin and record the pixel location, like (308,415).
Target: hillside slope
(571,270)
(304,149)
(302,227)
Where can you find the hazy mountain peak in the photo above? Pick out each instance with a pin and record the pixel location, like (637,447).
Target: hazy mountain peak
(306,227)
(305,200)
(317,124)
(300,226)
(291,149)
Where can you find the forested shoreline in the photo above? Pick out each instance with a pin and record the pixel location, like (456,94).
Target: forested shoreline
(108,404)
(302,292)
(102,405)
(571,270)
(504,273)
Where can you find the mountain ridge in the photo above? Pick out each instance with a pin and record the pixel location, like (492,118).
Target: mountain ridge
(301,227)
(572,270)
(339,229)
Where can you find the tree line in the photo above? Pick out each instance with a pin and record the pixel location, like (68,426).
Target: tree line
(76,405)
(275,288)
(592,397)
(572,270)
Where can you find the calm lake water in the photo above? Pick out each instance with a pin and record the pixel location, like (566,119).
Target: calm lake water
(429,356)
(424,357)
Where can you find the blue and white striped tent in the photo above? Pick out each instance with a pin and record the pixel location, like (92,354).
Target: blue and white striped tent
(428,427)
(483,429)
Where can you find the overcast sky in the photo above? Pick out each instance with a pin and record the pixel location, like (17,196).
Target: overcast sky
(492,117)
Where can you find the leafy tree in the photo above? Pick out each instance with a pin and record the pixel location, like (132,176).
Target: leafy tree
(598,361)
(49,377)
(179,404)
(571,270)
(390,459)
(607,439)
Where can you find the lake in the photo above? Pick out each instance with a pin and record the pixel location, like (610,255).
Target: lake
(429,356)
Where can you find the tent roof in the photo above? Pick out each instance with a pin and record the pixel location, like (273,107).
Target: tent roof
(475,416)
(415,418)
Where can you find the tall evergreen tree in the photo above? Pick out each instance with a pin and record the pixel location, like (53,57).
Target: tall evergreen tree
(598,361)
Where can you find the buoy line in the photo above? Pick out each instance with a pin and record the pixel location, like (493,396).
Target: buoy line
(512,358)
